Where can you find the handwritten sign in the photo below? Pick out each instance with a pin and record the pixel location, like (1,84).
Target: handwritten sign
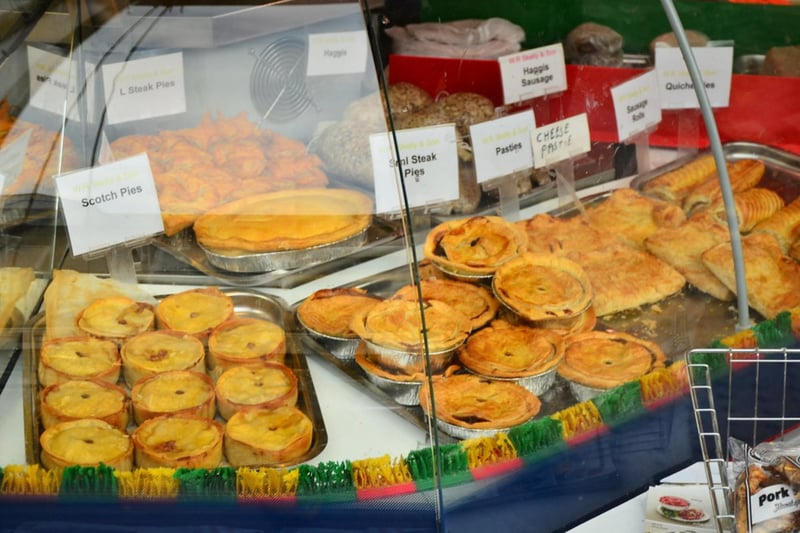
(337,53)
(503,145)
(533,73)
(426,162)
(676,89)
(561,140)
(144,88)
(110,205)
(636,105)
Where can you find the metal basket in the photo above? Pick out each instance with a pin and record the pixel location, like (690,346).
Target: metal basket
(752,402)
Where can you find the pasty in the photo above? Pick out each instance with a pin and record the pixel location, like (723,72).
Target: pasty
(560,235)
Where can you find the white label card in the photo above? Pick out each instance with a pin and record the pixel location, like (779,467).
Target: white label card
(12,157)
(533,73)
(337,53)
(428,166)
(144,88)
(109,205)
(675,85)
(561,140)
(53,80)
(636,105)
(503,145)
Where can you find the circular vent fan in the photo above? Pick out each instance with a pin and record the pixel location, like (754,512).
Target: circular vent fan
(278,80)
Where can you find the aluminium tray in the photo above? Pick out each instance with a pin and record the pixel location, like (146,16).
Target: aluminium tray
(246,303)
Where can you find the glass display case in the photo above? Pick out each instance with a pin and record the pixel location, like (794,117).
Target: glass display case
(262,268)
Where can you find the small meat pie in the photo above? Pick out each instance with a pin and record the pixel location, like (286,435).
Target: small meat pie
(78,399)
(502,350)
(178,441)
(86,442)
(285,220)
(268,436)
(475,402)
(603,359)
(543,287)
(245,341)
(397,325)
(173,392)
(71,358)
(271,385)
(328,312)
(196,311)
(116,318)
(161,350)
(475,246)
(474,301)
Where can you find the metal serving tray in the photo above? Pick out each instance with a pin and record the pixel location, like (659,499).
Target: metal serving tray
(246,304)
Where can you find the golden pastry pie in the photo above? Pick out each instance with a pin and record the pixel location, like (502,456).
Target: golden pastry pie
(158,351)
(783,225)
(245,341)
(559,235)
(196,311)
(674,185)
(267,436)
(397,325)
(269,386)
(178,441)
(74,400)
(285,220)
(71,358)
(543,287)
(474,301)
(682,248)
(631,216)
(623,277)
(86,442)
(328,312)
(173,392)
(743,174)
(474,402)
(606,359)
(475,246)
(772,278)
(502,350)
(369,365)
(752,206)
(116,318)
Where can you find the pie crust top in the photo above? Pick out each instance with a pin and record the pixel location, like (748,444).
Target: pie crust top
(512,351)
(474,301)
(285,220)
(329,311)
(247,339)
(116,318)
(172,391)
(78,399)
(87,441)
(475,402)
(196,311)
(80,357)
(474,246)
(397,324)
(179,440)
(273,384)
(543,286)
(284,429)
(559,235)
(604,359)
(162,350)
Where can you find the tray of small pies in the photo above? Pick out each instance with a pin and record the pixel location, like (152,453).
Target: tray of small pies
(199,379)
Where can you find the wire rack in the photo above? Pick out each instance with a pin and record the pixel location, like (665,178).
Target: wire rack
(755,397)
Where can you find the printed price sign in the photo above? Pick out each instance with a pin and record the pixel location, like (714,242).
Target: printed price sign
(561,140)
(337,53)
(110,205)
(52,80)
(12,157)
(503,145)
(144,88)
(676,89)
(636,105)
(427,165)
(533,73)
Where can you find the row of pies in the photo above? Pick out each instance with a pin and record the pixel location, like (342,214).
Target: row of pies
(491,360)
(182,383)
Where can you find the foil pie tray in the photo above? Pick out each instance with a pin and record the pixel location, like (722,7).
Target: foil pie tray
(246,304)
